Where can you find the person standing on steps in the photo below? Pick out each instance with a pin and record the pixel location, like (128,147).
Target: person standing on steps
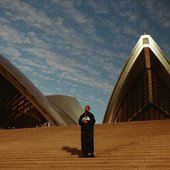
(87,121)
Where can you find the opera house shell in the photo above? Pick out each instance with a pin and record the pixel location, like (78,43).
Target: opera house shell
(23,105)
(142,91)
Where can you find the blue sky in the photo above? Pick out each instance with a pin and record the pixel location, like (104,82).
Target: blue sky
(79,47)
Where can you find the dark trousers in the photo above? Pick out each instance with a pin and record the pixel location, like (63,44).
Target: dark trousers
(87,142)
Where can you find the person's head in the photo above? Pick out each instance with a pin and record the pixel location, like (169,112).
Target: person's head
(87,108)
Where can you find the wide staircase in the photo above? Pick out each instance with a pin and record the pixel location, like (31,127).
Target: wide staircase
(121,146)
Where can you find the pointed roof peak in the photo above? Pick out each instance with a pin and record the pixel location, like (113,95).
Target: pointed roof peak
(145,41)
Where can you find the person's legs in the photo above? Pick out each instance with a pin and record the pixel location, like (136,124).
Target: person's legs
(91,143)
(84,140)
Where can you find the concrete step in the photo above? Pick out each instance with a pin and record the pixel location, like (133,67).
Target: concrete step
(124,146)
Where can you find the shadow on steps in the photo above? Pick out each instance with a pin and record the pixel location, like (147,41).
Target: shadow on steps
(72,151)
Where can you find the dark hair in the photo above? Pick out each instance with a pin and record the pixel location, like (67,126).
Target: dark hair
(88,106)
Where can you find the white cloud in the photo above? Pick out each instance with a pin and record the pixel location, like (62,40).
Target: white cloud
(67,36)
(25,68)
(21,11)
(10,34)
(14,37)
(68,68)
(44,77)
(3,21)
(128,30)
(100,7)
(71,70)
(25,12)
(36,41)
(76,15)
(10,51)
(85,79)
(159,11)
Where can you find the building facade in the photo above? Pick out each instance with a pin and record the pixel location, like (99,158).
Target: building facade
(142,91)
(23,105)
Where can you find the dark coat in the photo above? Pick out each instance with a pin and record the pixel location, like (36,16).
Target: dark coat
(91,121)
